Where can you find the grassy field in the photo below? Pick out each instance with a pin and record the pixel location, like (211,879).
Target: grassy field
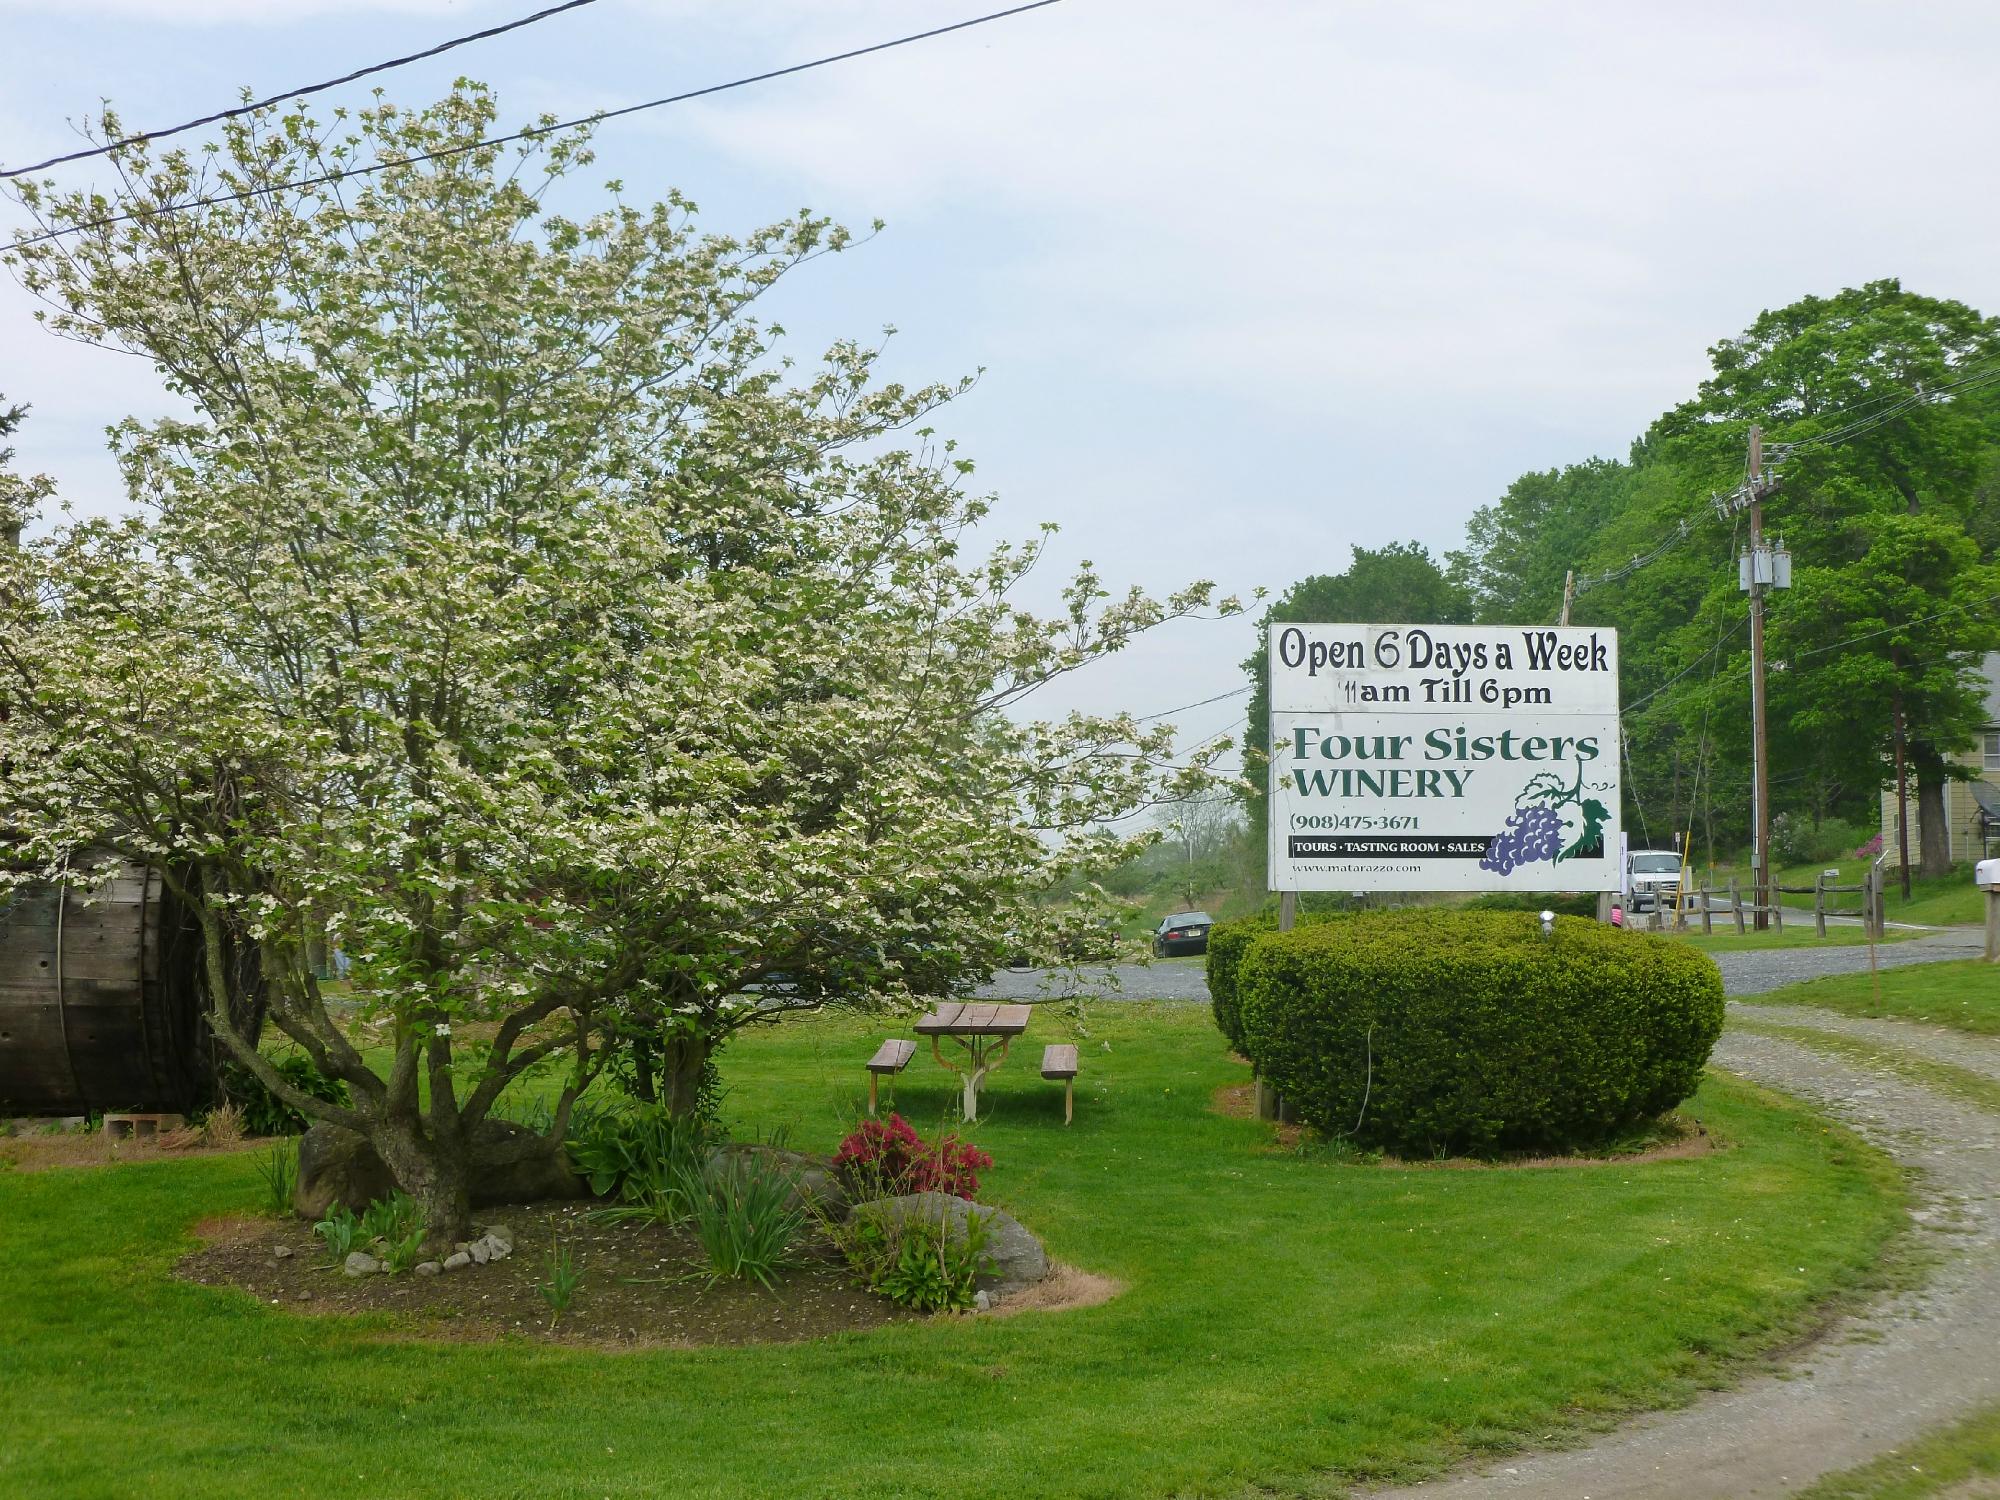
(1947,1465)
(1795,935)
(1288,1317)
(1964,996)
(1223,905)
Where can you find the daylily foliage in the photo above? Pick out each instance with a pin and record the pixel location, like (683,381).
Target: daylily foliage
(506,613)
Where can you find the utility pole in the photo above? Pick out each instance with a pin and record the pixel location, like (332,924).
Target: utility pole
(1760,770)
(1569,594)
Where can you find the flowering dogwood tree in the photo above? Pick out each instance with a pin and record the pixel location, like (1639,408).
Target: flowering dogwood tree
(505,612)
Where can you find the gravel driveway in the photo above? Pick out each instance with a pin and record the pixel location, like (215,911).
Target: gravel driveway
(1168,979)
(1754,971)
(1747,973)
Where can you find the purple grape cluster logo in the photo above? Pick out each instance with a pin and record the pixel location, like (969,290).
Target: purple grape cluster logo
(1551,822)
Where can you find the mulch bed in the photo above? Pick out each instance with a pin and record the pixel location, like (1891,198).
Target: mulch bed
(1676,1139)
(643,1286)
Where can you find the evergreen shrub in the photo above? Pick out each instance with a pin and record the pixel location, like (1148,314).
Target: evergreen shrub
(1463,1031)
(1229,941)
(1563,904)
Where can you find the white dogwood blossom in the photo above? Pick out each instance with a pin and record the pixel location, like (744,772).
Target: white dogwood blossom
(508,615)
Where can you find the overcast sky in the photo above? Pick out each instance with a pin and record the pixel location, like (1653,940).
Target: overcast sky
(1251,282)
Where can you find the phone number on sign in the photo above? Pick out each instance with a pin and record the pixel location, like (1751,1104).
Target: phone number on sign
(1353,822)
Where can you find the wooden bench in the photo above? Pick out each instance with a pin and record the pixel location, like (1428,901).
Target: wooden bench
(1059,1061)
(891,1057)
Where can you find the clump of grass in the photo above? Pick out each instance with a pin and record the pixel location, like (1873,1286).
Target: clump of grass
(565,1276)
(402,1253)
(278,1167)
(391,1219)
(748,1215)
(224,1126)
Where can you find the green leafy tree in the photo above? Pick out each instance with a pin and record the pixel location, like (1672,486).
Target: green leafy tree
(1916,589)
(1876,402)
(1400,584)
(506,609)
(1855,392)
(1518,549)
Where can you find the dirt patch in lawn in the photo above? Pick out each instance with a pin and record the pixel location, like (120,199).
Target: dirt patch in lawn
(1065,1287)
(643,1286)
(78,1148)
(1676,1138)
(1238,1101)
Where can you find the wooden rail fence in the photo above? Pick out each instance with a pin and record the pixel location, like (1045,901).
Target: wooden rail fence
(1701,902)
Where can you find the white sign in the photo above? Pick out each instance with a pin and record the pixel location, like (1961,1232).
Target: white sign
(1444,758)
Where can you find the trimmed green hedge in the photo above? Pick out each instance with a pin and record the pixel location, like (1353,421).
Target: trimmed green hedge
(1467,1031)
(1570,905)
(1227,943)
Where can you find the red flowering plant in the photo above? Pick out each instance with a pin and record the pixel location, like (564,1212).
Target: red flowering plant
(887,1159)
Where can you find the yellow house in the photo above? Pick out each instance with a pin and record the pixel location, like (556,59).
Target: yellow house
(1971,808)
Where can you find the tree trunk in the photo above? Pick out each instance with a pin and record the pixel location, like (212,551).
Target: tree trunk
(438,1178)
(640,1049)
(1933,834)
(684,1064)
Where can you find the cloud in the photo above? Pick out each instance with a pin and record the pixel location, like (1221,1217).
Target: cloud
(266,13)
(1538,203)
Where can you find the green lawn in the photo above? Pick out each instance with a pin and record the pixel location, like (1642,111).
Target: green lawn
(1945,1465)
(1288,1317)
(1725,938)
(1964,995)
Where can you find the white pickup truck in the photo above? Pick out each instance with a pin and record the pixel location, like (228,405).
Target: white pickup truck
(1652,878)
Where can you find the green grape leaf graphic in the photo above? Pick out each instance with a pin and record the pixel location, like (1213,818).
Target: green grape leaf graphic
(1590,843)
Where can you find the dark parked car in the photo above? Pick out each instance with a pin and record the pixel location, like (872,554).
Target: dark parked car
(1182,932)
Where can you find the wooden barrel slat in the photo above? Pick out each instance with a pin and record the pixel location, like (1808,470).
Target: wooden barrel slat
(100,1001)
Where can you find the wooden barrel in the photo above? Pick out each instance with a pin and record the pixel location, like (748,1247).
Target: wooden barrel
(101,1000)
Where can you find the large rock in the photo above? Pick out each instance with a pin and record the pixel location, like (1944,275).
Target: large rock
(510,1164)
(1016,1257)
(338,1166)
(816,1186)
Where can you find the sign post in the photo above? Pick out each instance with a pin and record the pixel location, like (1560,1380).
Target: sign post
(1986,875)
(1444,758)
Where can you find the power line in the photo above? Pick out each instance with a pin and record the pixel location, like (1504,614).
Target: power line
(531,132)
(1981,374)
(1974,378)
(1798,656)
(1721,640)
(1168,713)
(1852,640)
(299,93)
(1683,529)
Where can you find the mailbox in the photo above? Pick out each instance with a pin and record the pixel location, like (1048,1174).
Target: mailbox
(1986,874)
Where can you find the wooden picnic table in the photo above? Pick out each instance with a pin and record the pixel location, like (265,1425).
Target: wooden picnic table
(983,1030)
